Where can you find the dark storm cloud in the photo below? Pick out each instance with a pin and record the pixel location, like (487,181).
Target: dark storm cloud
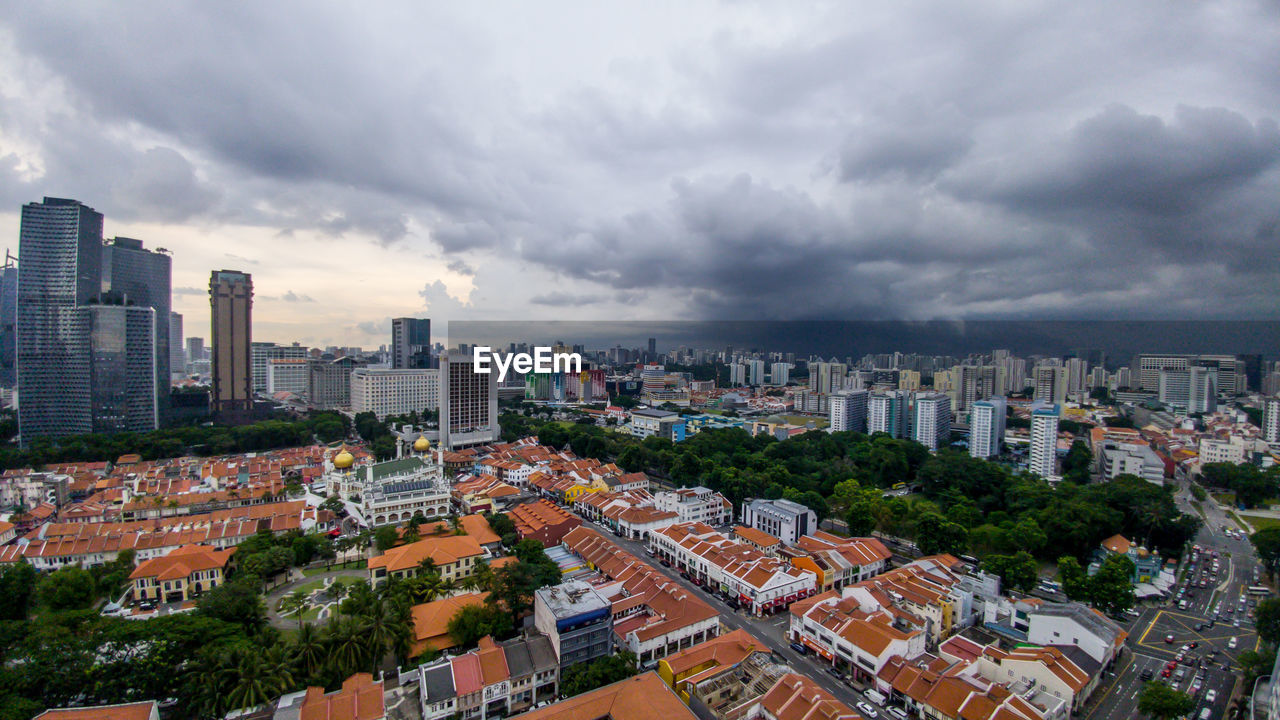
(1051,159)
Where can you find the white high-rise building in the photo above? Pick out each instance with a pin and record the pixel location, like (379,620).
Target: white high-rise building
(780,373)
(1050,383)
(986,427)
(385,392)
(933,420)
(1044,441)
(288,375)
(756,370)
(1149,366)
(1077,370)
(887,413)
(737,374)
(1271,419)
(1193,390)
(848,411)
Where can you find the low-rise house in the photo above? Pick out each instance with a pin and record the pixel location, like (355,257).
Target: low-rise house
(786,520)
(696,504)
(494,680)
(184,574)
(758,539)
(796,697)
(431,621)
(641,697)
(543,521)
(838,561)
(936,688)
(854,633)
(694,672)
(1045,669)
(360,698)
(147,710)
(1073,626)
(455,557)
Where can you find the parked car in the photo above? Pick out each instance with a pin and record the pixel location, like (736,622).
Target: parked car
(867,710)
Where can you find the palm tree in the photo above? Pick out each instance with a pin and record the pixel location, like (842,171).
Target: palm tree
(448,587)
(360,597)
(425,588)
(295,602)
(259,677)
(308,650)
(337,590)
(427,566)
(346,644)
(385,628)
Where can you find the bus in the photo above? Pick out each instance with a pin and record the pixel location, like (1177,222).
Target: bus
(1259,590)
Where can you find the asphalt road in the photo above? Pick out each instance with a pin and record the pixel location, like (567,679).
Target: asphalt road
(1219,601)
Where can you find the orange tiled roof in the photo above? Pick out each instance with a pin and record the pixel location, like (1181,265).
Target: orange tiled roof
(431,621)
(128,711)
(182,562)
(444,550)
(642,697)
(359,699)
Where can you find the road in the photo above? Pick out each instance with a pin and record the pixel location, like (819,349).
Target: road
(1217,602)
(771,630)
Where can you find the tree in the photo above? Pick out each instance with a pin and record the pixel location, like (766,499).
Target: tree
(385,538)
(234,602)
(1161,701)
(1019,571)
(585,677)
(295,603)
(1075,583)
(1111,588)
(935,534)
(1267,542)
(473,622)
(1267,620)
(860,519)
(68,588)
(17,587)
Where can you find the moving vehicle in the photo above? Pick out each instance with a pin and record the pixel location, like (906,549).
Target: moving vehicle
(867,710)
(1231,644)
(1211,695)
(1146,674)
(1259,590)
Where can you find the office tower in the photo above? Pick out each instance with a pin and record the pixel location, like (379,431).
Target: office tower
(1148,367)
(756,370)
(1252,373)
(122,362)
(986,427)
(142,278)
(848,411)
(468,403)
(231,310)
(177,360)
(1231,372)
(653,348)
(887,413)
(8,322)
(1192,390)
(60,253)
(1271,419)
(653,378)
(410,343)
(933,420)
(1050,383)
(1077,370)
(1097,377)
(1044,440)
(261,353)
(329,386)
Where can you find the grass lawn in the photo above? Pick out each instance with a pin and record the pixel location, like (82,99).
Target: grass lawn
(1259,522)
(802,420)
(1225,498)
(353,565)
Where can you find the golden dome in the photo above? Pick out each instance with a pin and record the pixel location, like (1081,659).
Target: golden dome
(344,460)
(422,444)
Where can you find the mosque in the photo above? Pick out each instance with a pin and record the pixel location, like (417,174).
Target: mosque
(392,491)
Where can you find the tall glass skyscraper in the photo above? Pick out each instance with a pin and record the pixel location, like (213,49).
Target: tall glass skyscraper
(60,270)
(143,278)
(410,343)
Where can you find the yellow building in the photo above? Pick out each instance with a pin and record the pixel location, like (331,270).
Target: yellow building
(183,574)
(455,557)
(688,670)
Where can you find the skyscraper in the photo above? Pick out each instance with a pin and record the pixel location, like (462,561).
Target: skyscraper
(933,420)
(986,427)
(1271,419)
(60,253)
(8,322)
(1044,441)
(122,361)
(410,343)
(177,359)
(1050,384)
(231,311)
(142,279)
(468,403)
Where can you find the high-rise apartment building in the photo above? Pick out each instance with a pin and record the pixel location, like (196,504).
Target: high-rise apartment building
(291,375)
(261,353)
(848,411)
(887,413)
(974,383)
(231,309)
(410,343)
(468,403)
(1231,374)
(1050,384)
(1077,370)
(143,279)
(986,427)
(933,420)
(909,380)
(177,358)
(1192,390)
(780,373)
(1044,440)
(385,392)
(755,369)
(60,254)
(1271,419)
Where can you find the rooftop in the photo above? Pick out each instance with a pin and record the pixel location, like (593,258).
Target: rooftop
(572,598)
(642,697)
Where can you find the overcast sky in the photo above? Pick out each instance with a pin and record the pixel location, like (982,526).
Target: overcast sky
(664,160)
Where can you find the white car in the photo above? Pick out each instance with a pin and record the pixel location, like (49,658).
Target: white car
(867,710)
(1231,644)
(1211,696)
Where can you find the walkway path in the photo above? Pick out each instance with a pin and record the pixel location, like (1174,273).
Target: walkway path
(296,580)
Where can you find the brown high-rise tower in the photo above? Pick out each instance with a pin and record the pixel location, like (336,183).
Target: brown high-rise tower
(231,308)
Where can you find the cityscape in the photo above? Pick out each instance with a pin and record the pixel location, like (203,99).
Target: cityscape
(297,427)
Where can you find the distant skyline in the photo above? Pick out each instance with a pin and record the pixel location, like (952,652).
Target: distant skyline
(683,160)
